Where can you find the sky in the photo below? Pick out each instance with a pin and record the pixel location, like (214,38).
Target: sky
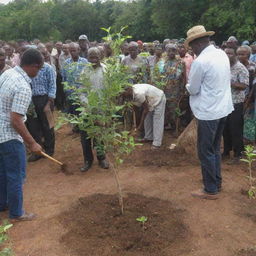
(4,1)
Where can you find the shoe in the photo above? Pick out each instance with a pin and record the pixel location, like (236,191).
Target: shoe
(104,164)
(203,195)
(34,158)
(4,209)
(225,156)
(143,140)
(155,147)
(25,217)
(86,167)
(234,161)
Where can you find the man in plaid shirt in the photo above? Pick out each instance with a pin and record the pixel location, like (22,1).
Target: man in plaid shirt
(15,97)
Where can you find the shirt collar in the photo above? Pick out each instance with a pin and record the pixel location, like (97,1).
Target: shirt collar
(23,73)
(208,49)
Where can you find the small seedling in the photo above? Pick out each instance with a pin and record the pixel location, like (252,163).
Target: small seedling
(142,220)
(4,238)
(250,158)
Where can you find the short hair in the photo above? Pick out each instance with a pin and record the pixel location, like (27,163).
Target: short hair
(94,50)
(133,44)
(75,45)
(2,52)
(245,47)
(31,57)
(171,46)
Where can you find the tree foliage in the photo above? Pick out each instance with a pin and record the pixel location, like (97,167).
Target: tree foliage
(147,19)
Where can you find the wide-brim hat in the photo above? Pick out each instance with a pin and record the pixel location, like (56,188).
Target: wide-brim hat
(197,32)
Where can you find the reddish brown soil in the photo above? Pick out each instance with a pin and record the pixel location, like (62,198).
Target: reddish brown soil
(99,222)
(159,180)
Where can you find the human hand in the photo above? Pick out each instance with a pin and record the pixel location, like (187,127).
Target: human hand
(35,148)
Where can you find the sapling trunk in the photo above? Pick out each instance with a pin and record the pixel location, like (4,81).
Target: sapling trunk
(119,189)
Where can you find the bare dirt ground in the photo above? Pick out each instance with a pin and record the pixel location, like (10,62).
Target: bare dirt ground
(77,214)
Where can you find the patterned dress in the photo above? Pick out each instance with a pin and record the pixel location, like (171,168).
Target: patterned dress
(175,77)
(250,113)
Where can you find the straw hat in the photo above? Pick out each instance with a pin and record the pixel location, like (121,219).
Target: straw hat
(197,32)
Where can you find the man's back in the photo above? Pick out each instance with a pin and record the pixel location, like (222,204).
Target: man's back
(209,85)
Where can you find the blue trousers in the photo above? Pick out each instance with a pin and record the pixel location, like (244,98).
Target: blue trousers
(208,144)
(12,174)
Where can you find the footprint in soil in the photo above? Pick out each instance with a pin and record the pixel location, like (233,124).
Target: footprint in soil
(96,227)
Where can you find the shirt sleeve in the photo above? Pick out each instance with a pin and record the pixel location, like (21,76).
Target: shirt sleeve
(243,76)
(51,83)
(21,101)
(195,78)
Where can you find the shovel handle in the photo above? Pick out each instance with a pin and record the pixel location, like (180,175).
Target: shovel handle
(50,158)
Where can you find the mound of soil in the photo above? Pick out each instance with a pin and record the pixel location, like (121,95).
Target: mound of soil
(95,227)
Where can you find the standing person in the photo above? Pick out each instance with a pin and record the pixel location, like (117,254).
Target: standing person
(95,74)
(253,55)
(43,95)
(211,102)
(15,96)
(137,65)
(84,46)
(187,58)
(64,55)
(175,76)
(71,72)
(3,65)
(233,131)
(59,101)
(156,64)
(153,101)
(243,54)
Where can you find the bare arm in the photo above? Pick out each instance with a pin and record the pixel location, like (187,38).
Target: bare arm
(238,86)
(21,129)
(143,116)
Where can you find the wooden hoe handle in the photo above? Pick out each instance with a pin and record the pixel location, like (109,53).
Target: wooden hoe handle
(50,158)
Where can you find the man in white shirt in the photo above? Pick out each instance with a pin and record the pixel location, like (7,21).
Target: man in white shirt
(211,102)
(153,101)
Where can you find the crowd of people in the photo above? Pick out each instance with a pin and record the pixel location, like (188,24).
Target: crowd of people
(172,82)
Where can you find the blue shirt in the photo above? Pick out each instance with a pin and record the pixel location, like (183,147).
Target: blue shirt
(72,70)
(253,58)
(45,82)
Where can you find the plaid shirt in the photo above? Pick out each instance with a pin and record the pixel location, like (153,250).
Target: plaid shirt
(15,96)
(72,70)
(45,82)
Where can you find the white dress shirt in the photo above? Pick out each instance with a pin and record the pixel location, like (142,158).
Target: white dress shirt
(209,85)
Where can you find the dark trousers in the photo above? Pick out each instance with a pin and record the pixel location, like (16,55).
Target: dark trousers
(208,143)
(41,131)
(12,174)
(60,95)
(233,131)
(87,148)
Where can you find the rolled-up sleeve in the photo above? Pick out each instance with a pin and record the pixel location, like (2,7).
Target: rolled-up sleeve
(195,78)
(51,83)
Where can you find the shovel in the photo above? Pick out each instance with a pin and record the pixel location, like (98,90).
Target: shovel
(63,166)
